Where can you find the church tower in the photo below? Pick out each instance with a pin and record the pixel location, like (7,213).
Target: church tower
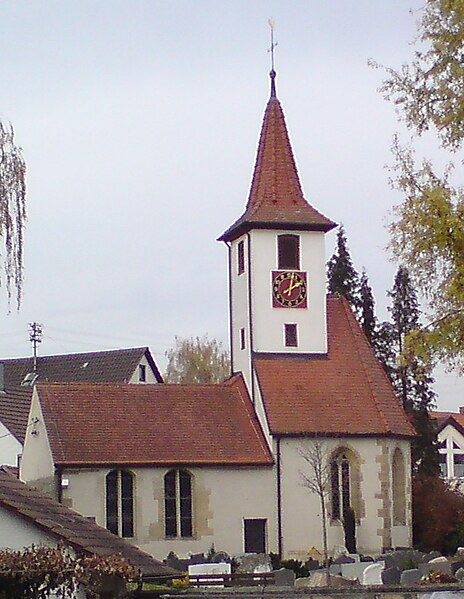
(277,280)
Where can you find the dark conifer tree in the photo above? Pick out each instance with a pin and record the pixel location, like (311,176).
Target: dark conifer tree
(411,378)
(367,316)
(342,276)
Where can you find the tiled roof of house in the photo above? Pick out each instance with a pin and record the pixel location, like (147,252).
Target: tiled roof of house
(345,392)
(14,410)
(66,525)
(276,198)
(111,366)
(455,419)
(153,424)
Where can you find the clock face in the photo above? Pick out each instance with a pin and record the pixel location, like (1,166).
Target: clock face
(289,289)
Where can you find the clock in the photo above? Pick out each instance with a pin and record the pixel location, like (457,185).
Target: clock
(289,289)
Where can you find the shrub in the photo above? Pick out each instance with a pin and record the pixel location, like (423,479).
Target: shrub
(438,515)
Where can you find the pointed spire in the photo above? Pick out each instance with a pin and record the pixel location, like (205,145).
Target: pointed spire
(276,199)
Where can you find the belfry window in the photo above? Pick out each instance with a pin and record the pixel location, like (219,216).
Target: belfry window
(288,252)
(120,503)
(178,504)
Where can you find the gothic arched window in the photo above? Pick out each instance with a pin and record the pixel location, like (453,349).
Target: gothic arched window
(120,503)
(178,503)
(340,474)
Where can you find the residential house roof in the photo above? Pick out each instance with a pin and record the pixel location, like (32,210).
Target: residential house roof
(276,197)
(455,419)
(153,424)
(14,410)
(111,366)
(344,392)
(70,527)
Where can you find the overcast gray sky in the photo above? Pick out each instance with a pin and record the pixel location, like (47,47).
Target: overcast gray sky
(139,122)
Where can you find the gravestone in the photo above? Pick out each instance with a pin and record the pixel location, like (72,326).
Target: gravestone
(354,571)
(459,574)
(430,556)
(372,575)
(249,562)
(335,569)
(410,577)
(284,577)
(455,566)
(439,564)
(391,575)
(459,552)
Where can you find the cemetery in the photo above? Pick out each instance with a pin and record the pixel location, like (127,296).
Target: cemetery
(404,573)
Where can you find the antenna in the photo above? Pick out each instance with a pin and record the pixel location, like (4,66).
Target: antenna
(35,337)
(272,74)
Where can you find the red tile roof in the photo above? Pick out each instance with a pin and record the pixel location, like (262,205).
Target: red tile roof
(343,393)
(153,424)
(66,525)
(276,199)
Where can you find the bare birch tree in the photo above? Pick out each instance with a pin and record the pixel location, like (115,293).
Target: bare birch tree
(317,480)
(12,211)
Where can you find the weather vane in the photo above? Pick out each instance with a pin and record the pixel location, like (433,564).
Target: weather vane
(273,44)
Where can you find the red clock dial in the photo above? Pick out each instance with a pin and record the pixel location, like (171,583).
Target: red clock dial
(289,289)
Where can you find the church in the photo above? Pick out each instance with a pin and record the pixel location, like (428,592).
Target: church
(183,468)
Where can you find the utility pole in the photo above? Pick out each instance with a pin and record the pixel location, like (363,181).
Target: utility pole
(35,337)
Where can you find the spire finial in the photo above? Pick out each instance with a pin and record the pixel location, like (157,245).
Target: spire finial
(272,73)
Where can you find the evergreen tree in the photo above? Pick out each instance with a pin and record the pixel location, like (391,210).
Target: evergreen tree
(367,316)
(342,276)
(411,379)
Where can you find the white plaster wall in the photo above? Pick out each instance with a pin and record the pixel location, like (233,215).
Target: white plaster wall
(221,497)
(150,375)
(268,322)
(16,533)
(239,312)
(10,447)
(37,461)
(301,520)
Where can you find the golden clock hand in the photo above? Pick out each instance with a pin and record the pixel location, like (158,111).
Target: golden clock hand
(290,286)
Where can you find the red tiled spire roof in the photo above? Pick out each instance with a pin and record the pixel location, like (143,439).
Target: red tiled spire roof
(276,198)
(343,393)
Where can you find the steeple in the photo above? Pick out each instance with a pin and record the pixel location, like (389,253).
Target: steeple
(276,199)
